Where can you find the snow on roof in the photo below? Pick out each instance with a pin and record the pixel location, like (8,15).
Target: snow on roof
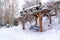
(31,7)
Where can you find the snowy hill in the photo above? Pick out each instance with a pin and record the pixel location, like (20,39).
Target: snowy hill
(16,32)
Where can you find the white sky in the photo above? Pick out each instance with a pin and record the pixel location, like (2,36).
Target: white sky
(21,2)
(44,1)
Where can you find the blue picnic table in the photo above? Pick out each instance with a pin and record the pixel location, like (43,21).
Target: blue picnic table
(34,27)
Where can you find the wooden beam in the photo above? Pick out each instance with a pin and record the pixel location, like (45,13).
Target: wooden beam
(53,14)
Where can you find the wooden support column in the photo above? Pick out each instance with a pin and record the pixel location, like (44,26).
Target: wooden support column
(23,24)
(40,21)
(55,11)
(50,19)
(36,20)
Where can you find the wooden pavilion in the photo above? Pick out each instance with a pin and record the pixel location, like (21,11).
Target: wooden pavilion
(38,13)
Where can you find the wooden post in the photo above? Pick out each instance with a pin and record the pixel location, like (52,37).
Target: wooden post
(40,21)
(50,19)
(23,24)
(36,20)
(56,12)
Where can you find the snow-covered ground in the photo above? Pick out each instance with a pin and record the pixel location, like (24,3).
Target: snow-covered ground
(16,32)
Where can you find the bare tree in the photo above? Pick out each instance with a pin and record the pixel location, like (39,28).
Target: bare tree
(1,11)
(10,11)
